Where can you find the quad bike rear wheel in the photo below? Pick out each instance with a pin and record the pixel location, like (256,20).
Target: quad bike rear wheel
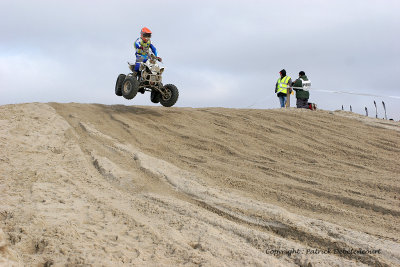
(170,96)
(119,83)
(130,87)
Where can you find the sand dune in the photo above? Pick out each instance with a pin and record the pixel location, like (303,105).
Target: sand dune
(90,184)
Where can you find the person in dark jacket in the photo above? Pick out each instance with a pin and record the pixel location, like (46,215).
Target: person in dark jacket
(302,95)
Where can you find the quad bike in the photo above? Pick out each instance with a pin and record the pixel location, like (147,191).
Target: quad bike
(147,79)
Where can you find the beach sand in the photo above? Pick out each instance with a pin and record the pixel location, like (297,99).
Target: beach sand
(91,184)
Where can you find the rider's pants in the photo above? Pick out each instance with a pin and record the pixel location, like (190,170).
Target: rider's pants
(139,60)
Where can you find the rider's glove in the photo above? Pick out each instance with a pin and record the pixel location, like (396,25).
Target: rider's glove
(159,59)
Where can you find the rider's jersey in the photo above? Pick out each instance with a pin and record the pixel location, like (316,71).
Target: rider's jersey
(142,47)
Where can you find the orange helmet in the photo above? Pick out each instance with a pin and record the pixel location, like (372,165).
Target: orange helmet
(145,33)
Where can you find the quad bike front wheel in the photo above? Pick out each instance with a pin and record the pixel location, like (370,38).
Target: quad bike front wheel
(130,87)
(119,83)
(170,95)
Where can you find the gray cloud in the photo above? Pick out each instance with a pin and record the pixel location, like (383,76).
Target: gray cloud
(218,53)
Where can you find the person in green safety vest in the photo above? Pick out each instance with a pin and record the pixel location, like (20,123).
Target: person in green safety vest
(282,85)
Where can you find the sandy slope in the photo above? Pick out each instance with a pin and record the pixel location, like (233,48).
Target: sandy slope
(120,185)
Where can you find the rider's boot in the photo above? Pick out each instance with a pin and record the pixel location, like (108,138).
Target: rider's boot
(136,74)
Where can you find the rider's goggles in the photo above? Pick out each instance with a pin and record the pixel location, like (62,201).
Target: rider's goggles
(146,35)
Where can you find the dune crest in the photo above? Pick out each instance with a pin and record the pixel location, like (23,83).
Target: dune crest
(121,185)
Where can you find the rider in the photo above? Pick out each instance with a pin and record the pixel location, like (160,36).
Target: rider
(142,46)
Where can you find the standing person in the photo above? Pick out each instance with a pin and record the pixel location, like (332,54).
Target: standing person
(302,95)
(282,87)
(142,46)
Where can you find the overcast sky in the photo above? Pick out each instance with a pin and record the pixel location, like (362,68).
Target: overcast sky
(218,53)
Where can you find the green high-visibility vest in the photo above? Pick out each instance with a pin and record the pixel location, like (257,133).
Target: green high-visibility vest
(283,85)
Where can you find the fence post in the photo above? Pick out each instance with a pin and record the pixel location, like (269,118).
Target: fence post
(384,107)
